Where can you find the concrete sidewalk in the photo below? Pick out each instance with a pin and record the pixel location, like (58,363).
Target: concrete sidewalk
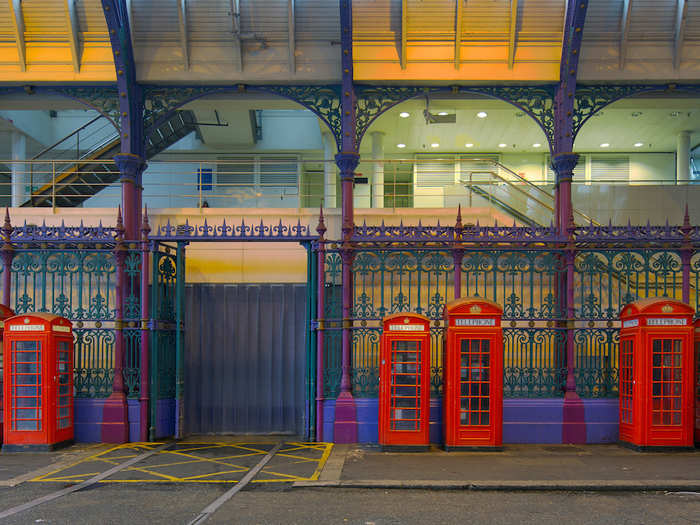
(517,467)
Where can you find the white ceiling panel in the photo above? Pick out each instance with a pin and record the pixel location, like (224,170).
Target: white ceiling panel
(44,21)
(376,20)
(431,19)
(91,20)
(652,19)
(603,19)
(540,20)
(209,20)
(155,20)
(268,18)
(317,20)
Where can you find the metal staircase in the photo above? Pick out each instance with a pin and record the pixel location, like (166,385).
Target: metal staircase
(88,167)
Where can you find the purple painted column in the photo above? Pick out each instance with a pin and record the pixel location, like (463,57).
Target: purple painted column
(320,326)
(115,417)
(458,254)
(145,339)
(345,426)
(7,252)
(131,167)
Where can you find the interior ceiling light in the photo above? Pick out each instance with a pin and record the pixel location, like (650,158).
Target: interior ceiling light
(404,114)
(536,145)
(519,114)
(605,145)
(674,114)
(636,114)
(401,145)
(502,145)
(442,113)
(435,145)
(638,144)
(482,114)
(469,145)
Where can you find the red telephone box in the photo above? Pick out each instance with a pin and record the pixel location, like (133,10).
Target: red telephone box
(473,376)
(656,374)
(5,312)
(404,383)
(38,378)
(697,382)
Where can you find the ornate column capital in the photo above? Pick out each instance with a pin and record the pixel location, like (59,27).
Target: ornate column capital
(347,162)
(563,165)
(130,166)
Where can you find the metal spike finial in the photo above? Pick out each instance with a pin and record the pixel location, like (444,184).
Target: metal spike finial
(321,228)
(458,223)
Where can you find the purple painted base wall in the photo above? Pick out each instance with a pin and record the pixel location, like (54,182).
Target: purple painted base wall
(524,420)
(88,420)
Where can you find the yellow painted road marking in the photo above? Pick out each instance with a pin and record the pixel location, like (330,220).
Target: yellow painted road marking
(292,453)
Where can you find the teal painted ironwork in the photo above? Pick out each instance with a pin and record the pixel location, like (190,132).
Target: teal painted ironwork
(333,296)
(311,314)
(180,339)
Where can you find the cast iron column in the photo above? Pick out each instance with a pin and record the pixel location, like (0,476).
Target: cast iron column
(345,426)
(115,421)
(131,167)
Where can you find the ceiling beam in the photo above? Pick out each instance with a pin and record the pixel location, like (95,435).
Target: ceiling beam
(679,32)
(625,30)
(513,32)
(236,31)
(73,33)
(404,16)
(184,44)
(18,26)
(130,16)
(459,13)
(292,37)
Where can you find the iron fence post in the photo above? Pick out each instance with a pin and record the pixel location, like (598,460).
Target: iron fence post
(686,255)
(179,340)
(458,254)
(115,417)
(145,332)
(153,423)
(7,252)
(320,309)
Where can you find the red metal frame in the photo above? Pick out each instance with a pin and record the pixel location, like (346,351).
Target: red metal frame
(404,382)
(38,381)
(657,374)
(473,374)
(697,381)
(5,312)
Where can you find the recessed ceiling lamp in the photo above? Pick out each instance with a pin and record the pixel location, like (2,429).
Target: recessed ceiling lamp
(469,145)
(636,114)
(638,144)
(536,145)
(502,145)
(442,113)
(435,145)
(401,145)
(605,145)
(404,114)
(674,114)
(482,114)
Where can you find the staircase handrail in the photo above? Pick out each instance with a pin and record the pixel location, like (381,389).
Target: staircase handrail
(74,132)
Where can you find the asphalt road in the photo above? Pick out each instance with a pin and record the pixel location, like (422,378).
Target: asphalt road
(135,504)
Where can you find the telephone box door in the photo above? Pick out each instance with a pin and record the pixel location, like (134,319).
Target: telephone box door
(697,381)
(404,383)
(473,393)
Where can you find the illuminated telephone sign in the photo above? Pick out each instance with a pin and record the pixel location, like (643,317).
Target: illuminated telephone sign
(404,382)
(38,382)
(656,372)
(473,374)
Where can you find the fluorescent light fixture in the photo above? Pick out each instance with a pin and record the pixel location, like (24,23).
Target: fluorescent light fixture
(442,113)
(469,145)
(536,145)
(482,114)
(502,145)
(401,145)
(435,145)
(638,144)
(605,145)
(404,114)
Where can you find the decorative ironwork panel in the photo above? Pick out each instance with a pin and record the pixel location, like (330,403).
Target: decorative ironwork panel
(605,281)
(534,362)
(597,361)
(524,283)
(332,338)
(94,362)
(365,361)
(695,283)
(164,329)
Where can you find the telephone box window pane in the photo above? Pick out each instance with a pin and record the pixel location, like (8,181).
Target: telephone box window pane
(474,403)
(405,385)
(26,386)
(667,386)
(26,346)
